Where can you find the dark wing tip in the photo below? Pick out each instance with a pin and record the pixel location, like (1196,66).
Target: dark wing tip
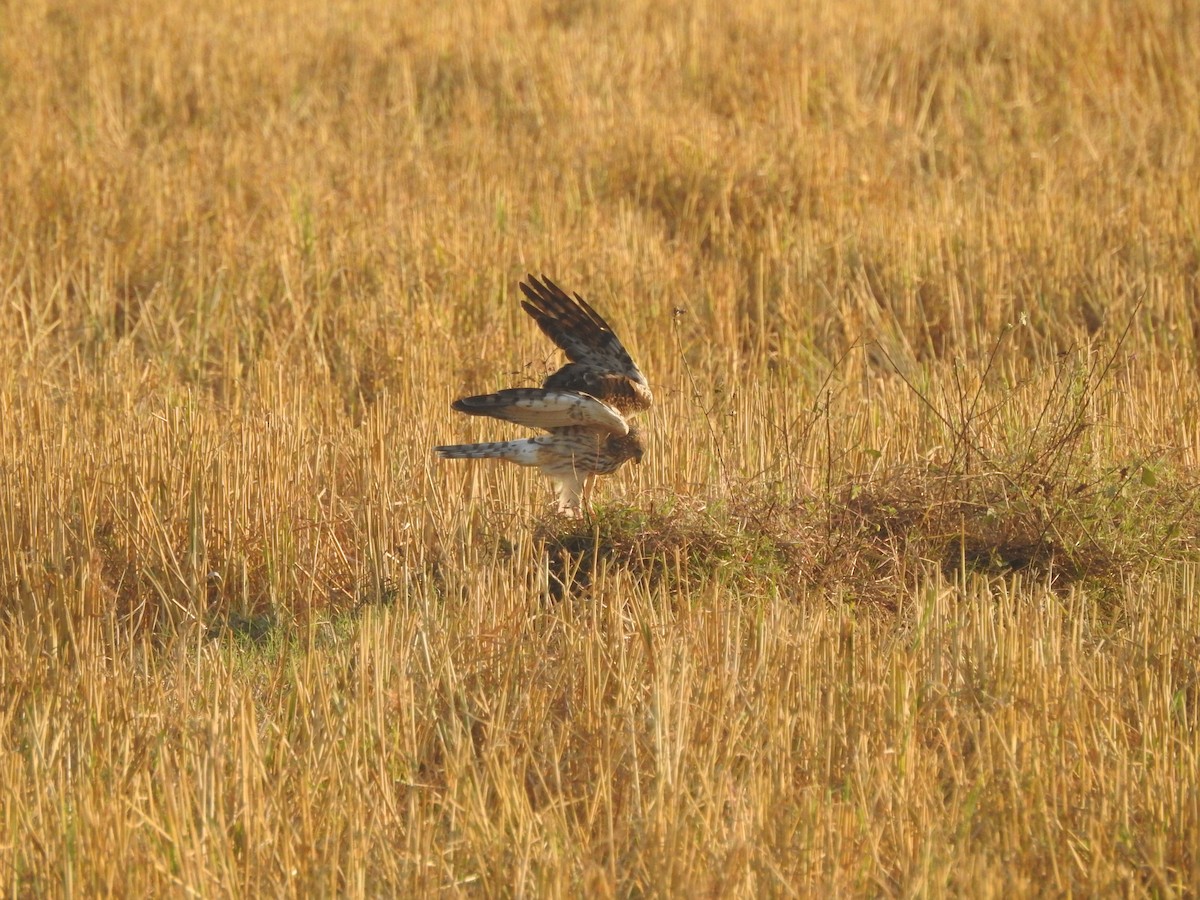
(548,303)
(532,288)
(482,403)
(580,331)
(540,283)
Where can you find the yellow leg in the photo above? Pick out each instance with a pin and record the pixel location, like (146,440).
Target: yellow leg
(589,487)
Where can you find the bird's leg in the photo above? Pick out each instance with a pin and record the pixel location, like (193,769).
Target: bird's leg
(589,488)
(569,510)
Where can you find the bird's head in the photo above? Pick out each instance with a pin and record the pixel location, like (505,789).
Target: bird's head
(629,446)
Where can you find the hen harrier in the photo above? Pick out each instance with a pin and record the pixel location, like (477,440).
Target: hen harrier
(584,405)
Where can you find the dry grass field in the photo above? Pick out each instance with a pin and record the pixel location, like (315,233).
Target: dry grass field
(904,600)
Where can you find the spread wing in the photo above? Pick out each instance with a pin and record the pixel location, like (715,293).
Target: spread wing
(548,409)
(578,329)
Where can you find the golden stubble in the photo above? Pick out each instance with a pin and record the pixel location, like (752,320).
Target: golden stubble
(918,276)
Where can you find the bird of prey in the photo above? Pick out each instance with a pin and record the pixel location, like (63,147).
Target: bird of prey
(583,407)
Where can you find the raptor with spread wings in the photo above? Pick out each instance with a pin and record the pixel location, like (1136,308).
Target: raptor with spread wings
(583,406)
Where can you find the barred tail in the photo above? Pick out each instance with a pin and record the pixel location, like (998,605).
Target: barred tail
(523,453)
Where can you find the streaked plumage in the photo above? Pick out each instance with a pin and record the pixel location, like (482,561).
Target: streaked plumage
(583,405)
(599,363)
